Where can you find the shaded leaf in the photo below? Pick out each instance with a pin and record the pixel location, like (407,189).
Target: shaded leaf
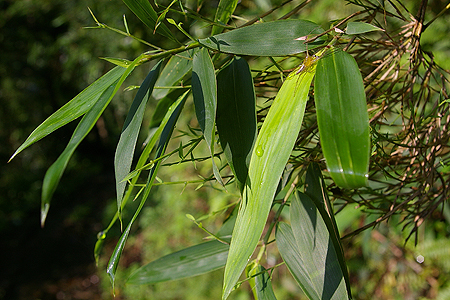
(236,116)
(223,14)
(316,249)
(277,38)
(315,188)
(360,27)
(73,109)
(343,119)
(145,12)
(204,90)
(164,132)
(273,147)
(130,131)
(192,261)
(287,245)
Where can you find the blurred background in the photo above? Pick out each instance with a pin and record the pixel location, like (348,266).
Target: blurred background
(47,58)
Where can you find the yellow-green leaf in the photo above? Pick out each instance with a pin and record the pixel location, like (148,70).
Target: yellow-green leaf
(272,149)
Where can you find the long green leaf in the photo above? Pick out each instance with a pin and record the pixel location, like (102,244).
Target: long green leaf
(343,119)
(130,131)
(236,116)
(192,261)
(176,68)
(315,188)
(145,12)
(73,109)
(56,170)
(54,173)
(277,38)
(204,90)
(317,249)
(273,147)
(223,14)
(287,245)
(164,131)
(188,262)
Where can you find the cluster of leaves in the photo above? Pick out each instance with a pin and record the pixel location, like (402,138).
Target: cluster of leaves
(257,164)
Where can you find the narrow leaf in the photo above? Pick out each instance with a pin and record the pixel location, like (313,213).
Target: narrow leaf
(316,249)
(273,147)
(192,261)
(164,131)
(73,109)
(223,14)
(56,170)
(204,90)
(277,38)
(130,131)
(145,12)
(54,173)
(343,119)
(236,116)
(360,27)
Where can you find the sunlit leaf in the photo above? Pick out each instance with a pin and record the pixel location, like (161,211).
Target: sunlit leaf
(236,116)
(130,131)
(272,149)
(277,38)
(73,109)
(343,119)
(54,173)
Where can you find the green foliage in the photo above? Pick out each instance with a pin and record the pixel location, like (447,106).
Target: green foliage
(269,171)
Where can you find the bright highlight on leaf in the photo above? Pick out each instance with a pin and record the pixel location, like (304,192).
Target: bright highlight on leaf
(273,147)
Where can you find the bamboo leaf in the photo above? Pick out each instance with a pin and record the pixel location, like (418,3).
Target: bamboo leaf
(192,261)
(236,116)
(223,14)
(316,249)
(145,12)
(277,38)
(56,170)
(343,119)
(73,109)
(360,27)
(204,89)
(287,245)
(273,147)
(177,67)
(130,131)
(164,131)
(54,173)
(315,188)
